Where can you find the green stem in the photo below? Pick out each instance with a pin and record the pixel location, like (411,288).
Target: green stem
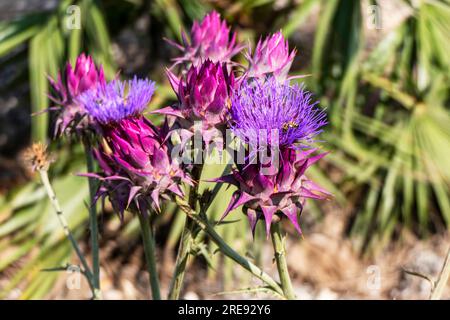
(93,225)
(226,249)
(149,249)
(185,241)
(205,205)
(181,262)
(279,249)
(63,222)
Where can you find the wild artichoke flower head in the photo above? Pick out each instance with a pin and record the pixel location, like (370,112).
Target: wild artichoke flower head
(85,76)
(210,39)
(118,100)
(271,57)
(283,192)
(204,93)
(270,189)
(134,155)
(266,105)
(203,100)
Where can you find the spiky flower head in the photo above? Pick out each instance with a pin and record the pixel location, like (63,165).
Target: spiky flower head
(85,76)
(204,98)
(204,93)
(276,186)
(283,192)
(137,170)
(134,156)
(271,57)
(266,108)
(117,100)
(210,39)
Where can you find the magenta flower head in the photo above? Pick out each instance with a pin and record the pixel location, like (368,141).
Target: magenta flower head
(135,158)
(270,196)
(271,57)
(272,189)
(203,95)
(210,39)
(85,76)
(137,171)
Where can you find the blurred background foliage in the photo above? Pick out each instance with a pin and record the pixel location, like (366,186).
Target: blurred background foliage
(386,91)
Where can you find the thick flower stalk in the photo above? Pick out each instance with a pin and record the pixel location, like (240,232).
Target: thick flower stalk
(272,189)
(84,76)
(204,95)
(210,39)
(271,57)
(202,110)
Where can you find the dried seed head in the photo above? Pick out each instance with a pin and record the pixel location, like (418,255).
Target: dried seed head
(37,158)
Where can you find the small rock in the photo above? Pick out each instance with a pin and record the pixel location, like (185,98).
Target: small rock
(190,295)
(304,292)
(327,294)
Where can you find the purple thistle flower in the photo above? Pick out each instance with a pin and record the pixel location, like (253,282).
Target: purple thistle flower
(203,95)
(275,188)
(282,193)
(210,39)
(137,170)
(83,77)
(271,57)
(272,107)
(118,100)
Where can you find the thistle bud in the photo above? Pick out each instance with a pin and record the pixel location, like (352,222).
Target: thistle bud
(86,75)
(210,39)
(271,57)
